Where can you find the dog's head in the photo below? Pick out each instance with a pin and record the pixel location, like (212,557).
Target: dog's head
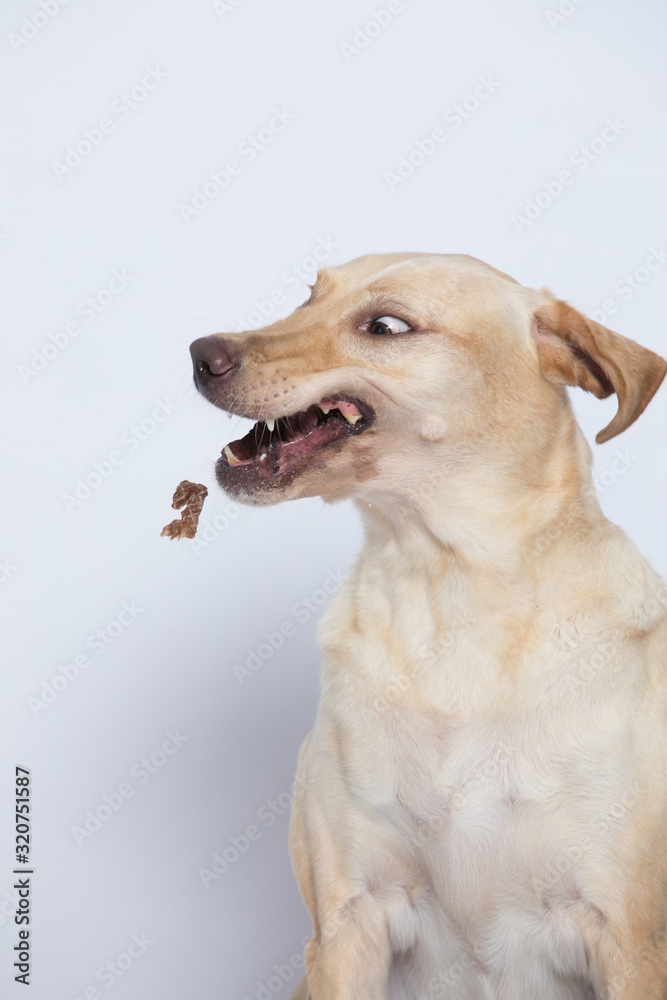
(404,372)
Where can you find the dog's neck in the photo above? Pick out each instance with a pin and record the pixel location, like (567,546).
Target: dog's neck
(457,591)
(489,521)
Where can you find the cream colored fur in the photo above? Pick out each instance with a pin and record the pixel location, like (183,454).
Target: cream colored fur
(481,806)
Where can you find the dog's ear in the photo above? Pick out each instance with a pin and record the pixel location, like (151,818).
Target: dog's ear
(575,350)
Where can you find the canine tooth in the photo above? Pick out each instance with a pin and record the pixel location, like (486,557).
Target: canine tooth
(270,423)
(324,409)
(352,417)
(233,460)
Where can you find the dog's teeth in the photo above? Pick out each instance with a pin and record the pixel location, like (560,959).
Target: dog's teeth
(233,460)
(352,417)
(270,423)
(325,409)
(262,457)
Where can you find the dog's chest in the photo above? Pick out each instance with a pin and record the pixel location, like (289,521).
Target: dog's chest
(475,741)
(489,822)
(444,778)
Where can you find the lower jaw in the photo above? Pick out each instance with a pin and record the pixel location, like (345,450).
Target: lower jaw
(261,482)
(243,480)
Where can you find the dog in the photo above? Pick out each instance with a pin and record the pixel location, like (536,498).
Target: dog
(480,810)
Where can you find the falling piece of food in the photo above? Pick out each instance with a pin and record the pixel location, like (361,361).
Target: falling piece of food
(191,497)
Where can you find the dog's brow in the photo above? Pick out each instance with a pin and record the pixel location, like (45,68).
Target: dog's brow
(380,301)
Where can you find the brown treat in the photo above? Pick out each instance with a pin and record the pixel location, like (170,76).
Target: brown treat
(191,497)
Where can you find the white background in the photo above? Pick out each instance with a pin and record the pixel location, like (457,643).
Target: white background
(69,568)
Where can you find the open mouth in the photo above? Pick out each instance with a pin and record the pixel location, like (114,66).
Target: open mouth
(273,446)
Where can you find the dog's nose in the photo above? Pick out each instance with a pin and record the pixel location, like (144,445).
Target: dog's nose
(212,357)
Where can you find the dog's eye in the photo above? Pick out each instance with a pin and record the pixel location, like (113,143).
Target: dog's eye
(388,325)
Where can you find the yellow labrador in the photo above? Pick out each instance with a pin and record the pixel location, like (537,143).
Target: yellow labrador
(481,807)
